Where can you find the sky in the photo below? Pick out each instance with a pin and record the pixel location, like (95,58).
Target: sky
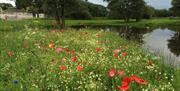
(8,1)
(158,4)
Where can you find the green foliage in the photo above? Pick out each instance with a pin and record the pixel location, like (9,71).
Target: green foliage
(4,6)
(96,10)
(32,6)
(36,7)
(79,14)
(148,12)
(176,7)
(23,4)
(86,10)
(80,11)
(162,13)
(126,9)
(57,9)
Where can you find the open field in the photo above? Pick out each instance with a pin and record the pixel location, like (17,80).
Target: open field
(35,56)
(76,60)
(20,24)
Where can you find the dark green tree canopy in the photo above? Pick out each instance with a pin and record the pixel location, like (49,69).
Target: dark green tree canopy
(57,9)
(5,6)
(176,7)
(23,4)
(126,9)
(32,6)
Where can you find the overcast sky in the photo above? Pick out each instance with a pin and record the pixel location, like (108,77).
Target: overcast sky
(158,4)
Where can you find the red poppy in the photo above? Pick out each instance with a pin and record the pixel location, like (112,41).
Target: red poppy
(10,53)
(117,51)
(125,54)
(80,68)
(74,52)
(52,45)
(59,50)
(98,49)
(53,31)
(62,30)
(67,50)
(126,80)
(120,73)
(112,72)
(74,59)
(139,80)
(98,35)
(150,63)
(115,55)
(125,84)
(63,67)
(124,87)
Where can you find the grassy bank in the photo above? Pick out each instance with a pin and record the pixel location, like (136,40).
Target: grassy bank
(35,59)
(160,22)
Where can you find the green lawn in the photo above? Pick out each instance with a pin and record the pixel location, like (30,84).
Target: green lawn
(140,24)
(160,22)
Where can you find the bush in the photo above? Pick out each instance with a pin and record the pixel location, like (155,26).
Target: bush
(80,14)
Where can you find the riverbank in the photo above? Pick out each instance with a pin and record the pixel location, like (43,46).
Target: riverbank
(39,59)
(151,23)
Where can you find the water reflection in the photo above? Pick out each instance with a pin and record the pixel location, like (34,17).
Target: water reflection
(161,41)
(174,44)
(132,33)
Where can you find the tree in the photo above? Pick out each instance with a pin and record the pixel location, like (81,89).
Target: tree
(23,4)
(176,7)
(162,13)
(148,12)
(57,9)
(137,9)
(32,6)
(126,9)
(96,10)
(5,6)
(36,7)
(80,11)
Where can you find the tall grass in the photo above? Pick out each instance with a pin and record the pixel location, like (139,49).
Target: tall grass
(30,61)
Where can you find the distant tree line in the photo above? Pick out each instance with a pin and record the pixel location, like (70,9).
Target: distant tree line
(82,9)
(138,9)
(61,9)
(75,9)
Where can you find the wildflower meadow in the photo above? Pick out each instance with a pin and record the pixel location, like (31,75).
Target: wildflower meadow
(36,59)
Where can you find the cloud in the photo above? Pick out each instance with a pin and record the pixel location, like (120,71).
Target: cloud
(159,4)
(98,2)
(12,2)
